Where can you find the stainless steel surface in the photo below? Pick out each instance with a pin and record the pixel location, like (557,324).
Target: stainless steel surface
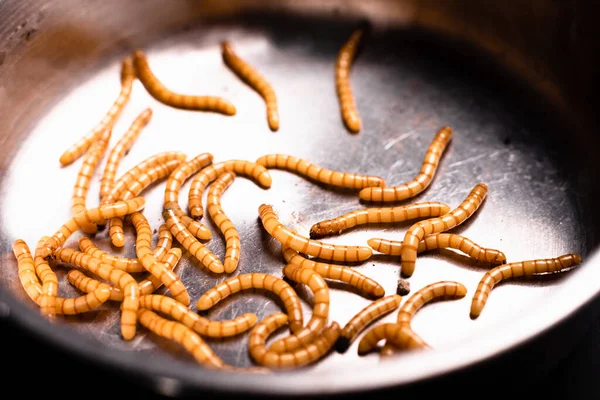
(407,85)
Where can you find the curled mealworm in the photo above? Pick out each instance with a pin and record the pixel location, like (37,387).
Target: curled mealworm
(191,244)
(119,208)
(116,233)
(320,311)
(166,96)
(416,233)
(423,178)
(143,250)
(84,177)
(399,335)
(365,317)
(299,358)
(210,173)
(378,216)
(440,241)
(308,246)
(516,269)
(125,282)
(318,174)
(343,63)
(147,286)
(253,78)
(230,233)
(79,147)
(174,183)
(181,334)
(26,270)
(200,325)
(340,273)
(47,300)
(120,150)
(288,296)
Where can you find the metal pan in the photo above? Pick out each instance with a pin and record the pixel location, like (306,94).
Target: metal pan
(514,83)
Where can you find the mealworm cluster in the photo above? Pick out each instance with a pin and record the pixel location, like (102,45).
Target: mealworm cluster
(105,279)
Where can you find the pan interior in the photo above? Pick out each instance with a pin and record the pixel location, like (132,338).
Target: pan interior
(407,86)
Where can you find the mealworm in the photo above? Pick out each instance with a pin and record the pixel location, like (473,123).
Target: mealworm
(147,286)
(423,178)
(120,150)
(364,318)
(347,275)
(320,311)
(26,270)
(152,264)
(134,173)
(399,335)
(416,233)
(516,269)
(191,244)
(378,216)
(182,101)
(209,174)
(230,233)
(174,183)
(308,246)
(82,304)
(84,177)
(125,282)
(441,241)
(343,63)
(200,325)
(181,334)
(286,293)
(442,289)
(47,300)
(131,265)
(116,233)
(253,78)
(79,147)
(318,174)
(299,358)
(89,216)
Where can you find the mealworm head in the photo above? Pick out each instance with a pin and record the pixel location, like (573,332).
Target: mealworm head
(342,344)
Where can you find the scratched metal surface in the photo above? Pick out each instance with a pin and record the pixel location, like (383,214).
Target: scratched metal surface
(406,88)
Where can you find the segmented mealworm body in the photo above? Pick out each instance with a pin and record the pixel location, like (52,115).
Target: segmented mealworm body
(320,311)
(364,318)
(423,178)
(84,177)
(299,358)
(308,246)
(125,282)
(399,335)
(26,270)
(117,235)
(347,275)
(253,78)
(120,150)
(152,264)
(230,233)
(516,269)
(79,147)
(191,244)
(166,96)
(174,183)
(343,63)
(442,289)
(441,241)
(416,233)
(288,296)
(119,208)
(82,304)
(240,167)
(147,286)
(377,216)
(318,174)
(181,334)
(195,322)
(47,300)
